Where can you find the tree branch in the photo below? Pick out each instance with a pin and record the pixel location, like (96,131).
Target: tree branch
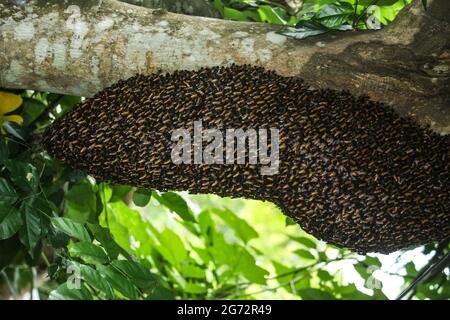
(80,47)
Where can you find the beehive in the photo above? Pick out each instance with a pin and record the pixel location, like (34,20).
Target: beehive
(352,172)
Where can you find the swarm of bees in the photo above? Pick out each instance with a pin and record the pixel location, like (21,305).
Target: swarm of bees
(351,171)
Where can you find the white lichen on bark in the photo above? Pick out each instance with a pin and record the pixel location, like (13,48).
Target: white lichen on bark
(79,48)
(102,43)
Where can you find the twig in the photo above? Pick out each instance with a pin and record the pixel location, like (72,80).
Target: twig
(44,258)
(430,270)
(354,15)
(105,204)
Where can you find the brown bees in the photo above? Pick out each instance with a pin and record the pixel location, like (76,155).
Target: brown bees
(351,171)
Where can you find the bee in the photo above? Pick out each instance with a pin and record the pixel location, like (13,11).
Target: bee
(347,172)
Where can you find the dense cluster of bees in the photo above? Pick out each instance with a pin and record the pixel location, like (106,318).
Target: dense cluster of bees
(351,172)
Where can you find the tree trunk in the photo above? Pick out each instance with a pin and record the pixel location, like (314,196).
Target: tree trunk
(80,47)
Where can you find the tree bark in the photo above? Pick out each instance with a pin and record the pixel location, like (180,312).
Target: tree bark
(80,47)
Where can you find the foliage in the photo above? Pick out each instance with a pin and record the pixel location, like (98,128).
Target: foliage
(64,235)
(316,16)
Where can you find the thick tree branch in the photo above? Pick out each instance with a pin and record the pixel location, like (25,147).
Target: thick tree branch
(80,47)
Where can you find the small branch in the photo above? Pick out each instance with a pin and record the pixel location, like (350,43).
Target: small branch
(223,291)
(44,258)
(429,271)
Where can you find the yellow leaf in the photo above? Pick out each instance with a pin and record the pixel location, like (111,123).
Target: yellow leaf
(14,118)
(9,102)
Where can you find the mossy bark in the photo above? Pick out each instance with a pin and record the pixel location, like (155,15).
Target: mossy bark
(80,47)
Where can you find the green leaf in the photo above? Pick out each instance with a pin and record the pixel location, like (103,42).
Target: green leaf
(71,228)
(290,222)
(322,256)
(233,14)
(64,293)
(379,2)
(161,293)
(119,282)
(305,254)
(237,259)
(240,226)
(175,203)
(308,243)
(107,241)
(141,197)
(4,151)
(379,295)
(95,279)
(203,254)
(206,223)
(10,221)
(82,195)
(119,192)
(269,14)
(7,193)
(81,202)
(73,213)
(411,268)
(218,5)
(303,31)
(350,292)
(32,109)
(373,261)
(196,288)
(425,4)
(314,294)
(334,15)
(169,245)
(138,274)
(242,5)
(128,228)
(284,273)
(324,275)
(247,266)
(24,175)
(192,271)
(31,231)
(362,270)
(301,282)
(15,130)
(89,252)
